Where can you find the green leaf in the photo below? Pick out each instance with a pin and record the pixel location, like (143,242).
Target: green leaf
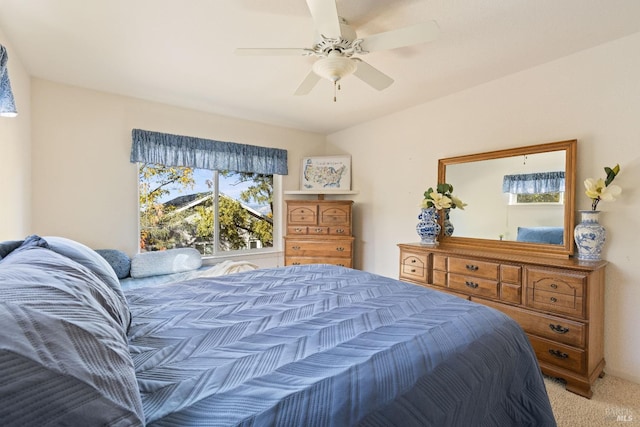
(611,174)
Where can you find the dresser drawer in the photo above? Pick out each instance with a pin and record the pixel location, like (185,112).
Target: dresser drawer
(439,273)
(543,325)
(340,248)
(318,231)
(471,267)
(556,281)
(439,278)
(511,292)
(342,262)
(343,230)
(511,273)
(439,262)
(473,285)
(413,266)
(301,215)
(555,302)
(335,215)
(559,354)
(297,230)
(554,291)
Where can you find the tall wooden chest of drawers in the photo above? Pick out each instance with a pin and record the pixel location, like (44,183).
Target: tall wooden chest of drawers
(319,232)
(558,302)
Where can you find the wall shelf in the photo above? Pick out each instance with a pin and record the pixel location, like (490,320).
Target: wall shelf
(320,193)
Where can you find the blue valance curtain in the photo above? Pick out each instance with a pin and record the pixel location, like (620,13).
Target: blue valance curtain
(533,183)
(177,150)
(7,103)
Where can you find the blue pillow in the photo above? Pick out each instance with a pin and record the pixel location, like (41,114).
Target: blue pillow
(9,246)
(549,235)
(118,260)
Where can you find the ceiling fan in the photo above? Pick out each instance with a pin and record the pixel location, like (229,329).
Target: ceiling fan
(337,44)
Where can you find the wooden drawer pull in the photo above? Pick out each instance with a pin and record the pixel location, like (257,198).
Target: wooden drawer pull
(295,248)
(471,267)
(295,263)
(340,230)
(554,286)
(339,249)
(318,230)
(553,299)
(413,270)
(558,354)
(298,230)
(471,285)
(558,328)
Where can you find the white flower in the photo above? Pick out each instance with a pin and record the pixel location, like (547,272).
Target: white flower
(599,189)
(441,198)
(457,203)
(440,201)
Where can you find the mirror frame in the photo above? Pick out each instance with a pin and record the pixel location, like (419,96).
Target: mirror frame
(565,250)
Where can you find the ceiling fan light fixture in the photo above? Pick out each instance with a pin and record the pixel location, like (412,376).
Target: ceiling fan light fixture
(334,67)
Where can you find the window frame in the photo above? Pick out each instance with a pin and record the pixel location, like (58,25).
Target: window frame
(277,194)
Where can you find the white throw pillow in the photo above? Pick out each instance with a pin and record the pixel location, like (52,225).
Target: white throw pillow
(147,264)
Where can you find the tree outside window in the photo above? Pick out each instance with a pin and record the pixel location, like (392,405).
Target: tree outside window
(212,211)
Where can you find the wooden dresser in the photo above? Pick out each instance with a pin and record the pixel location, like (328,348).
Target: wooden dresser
(319,232)
(559,302)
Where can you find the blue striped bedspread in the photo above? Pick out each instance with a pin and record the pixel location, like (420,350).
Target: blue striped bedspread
(320,345)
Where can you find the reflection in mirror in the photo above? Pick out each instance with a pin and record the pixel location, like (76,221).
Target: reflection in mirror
(494,214)
(505,212)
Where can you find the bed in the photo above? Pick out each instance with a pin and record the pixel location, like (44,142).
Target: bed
(313,345)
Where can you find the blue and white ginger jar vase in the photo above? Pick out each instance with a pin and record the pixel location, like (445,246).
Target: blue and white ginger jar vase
(428,227)
(447,226)
(589,236)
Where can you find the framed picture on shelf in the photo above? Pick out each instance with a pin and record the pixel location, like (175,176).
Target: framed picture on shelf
(326,173)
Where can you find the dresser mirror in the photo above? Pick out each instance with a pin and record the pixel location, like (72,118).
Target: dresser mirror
(514,198)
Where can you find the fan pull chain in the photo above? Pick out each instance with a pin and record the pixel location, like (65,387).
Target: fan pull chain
(336,87)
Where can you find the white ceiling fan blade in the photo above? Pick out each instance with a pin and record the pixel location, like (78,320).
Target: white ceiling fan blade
(272,51)
(325,17)
(307,84)
(372,76)
(414,34)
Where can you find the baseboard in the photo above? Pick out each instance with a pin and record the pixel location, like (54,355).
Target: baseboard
(623,375)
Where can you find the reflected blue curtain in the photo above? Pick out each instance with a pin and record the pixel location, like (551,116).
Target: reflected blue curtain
(7,103)
(533,183)
(177,150)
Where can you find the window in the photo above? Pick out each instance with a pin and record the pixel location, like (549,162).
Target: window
(213,195)
(215,212)
(555,198)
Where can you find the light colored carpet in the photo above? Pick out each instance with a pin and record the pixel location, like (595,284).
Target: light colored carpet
(615,402)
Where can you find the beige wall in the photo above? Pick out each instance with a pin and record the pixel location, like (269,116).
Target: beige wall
(84,186)
(593,96)
(15,154)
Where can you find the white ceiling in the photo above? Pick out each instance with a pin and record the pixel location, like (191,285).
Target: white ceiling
(182,52)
